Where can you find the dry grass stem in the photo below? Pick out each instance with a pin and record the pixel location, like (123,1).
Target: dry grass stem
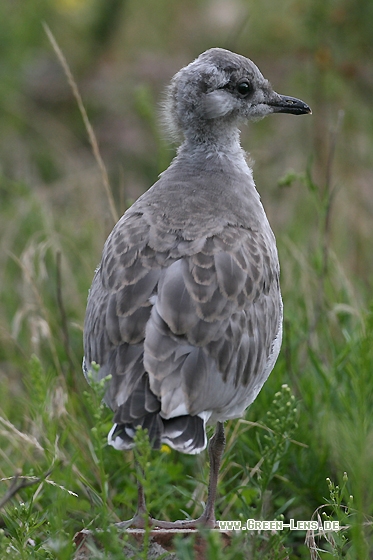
(63,315)
(28,275)
(20,435)
(87,124)
(15,486)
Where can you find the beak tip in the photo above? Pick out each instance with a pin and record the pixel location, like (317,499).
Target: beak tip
(285,104)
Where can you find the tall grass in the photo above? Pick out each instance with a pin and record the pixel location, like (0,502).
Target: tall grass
(313,420)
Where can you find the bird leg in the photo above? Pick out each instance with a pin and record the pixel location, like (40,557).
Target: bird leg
(216,449)
(141,518)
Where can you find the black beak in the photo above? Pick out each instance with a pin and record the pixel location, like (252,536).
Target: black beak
(285,104)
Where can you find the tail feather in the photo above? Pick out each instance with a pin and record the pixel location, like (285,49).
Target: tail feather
(143,408)
(121,435)
(183,433)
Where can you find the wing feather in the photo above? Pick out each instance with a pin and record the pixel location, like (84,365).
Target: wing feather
(183,325)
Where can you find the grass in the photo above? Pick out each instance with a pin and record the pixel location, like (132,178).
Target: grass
(310,424)
(304,448)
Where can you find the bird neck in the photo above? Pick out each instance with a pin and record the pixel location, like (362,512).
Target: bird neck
(213,141)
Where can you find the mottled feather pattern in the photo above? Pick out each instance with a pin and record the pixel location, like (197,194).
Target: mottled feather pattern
(186,301)
(185,310)
(204,310)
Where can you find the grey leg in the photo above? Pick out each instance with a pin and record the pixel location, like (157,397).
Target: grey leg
(138,520)
(216,449)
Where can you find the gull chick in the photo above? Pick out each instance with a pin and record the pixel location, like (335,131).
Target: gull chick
(185,309)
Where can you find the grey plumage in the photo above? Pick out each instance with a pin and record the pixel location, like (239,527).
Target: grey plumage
(185,309)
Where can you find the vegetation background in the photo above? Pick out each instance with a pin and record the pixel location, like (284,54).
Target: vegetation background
(315,176)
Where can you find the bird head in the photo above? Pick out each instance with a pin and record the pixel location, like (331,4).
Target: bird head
(219,90)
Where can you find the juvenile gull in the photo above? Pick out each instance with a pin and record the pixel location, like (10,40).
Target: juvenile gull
(185,309)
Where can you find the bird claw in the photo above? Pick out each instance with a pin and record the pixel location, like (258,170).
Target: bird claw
(141,521)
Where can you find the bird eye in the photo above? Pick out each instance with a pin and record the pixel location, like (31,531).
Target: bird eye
(244,88)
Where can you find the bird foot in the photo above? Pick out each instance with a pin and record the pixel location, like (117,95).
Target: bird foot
(141,521)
